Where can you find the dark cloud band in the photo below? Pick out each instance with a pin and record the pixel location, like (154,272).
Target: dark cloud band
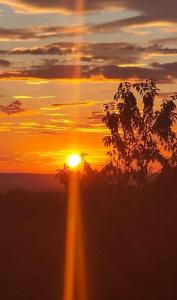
(165,73)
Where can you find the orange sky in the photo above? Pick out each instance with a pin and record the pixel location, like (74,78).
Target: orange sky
(54,123)
(60,61)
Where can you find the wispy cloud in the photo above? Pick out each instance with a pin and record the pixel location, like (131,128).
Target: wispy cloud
(79,103)
(13,108)
(58,106)
(91,130)
(37,33)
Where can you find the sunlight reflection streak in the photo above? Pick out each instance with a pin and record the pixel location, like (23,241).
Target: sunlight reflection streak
(70,251)
(75,273)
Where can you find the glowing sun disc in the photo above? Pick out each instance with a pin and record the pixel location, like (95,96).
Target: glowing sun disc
(74,160)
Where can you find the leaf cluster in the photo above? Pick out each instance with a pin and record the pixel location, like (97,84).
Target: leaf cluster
(140,136)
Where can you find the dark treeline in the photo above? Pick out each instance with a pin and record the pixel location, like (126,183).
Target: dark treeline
(130,239)
(32,245)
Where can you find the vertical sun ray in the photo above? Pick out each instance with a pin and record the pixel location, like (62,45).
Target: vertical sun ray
(75,269)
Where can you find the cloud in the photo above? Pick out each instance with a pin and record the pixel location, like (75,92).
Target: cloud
(147,7)
(152,10)
(93,60)
(49,132)
(115,61)
(45,50)
(17,34)
(56,71)
(38,32)
(167,68)
(159,72)
(90,126)
(60,5)
(5,63)
(96,116)
(133,24)
(88,52)
(48,71)
(166,41)
(57,106)
(95,53)
(91,130)
(130,25)
(158,49)
(13,108)
(165,74)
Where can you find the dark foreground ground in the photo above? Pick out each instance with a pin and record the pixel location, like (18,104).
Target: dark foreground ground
(131,244)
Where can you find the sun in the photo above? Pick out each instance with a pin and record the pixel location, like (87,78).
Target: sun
(74,160)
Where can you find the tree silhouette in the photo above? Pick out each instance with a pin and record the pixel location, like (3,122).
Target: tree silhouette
(140,136)
(64,174)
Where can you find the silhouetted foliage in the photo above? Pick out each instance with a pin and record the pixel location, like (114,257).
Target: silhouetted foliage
(140,136)
(85,175)
(63,176)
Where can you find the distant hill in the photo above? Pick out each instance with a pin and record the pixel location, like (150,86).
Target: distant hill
(32,182)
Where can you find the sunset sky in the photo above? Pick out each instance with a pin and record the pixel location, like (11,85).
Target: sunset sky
(61,60)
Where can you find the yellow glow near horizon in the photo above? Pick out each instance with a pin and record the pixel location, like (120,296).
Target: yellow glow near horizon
(74,160)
